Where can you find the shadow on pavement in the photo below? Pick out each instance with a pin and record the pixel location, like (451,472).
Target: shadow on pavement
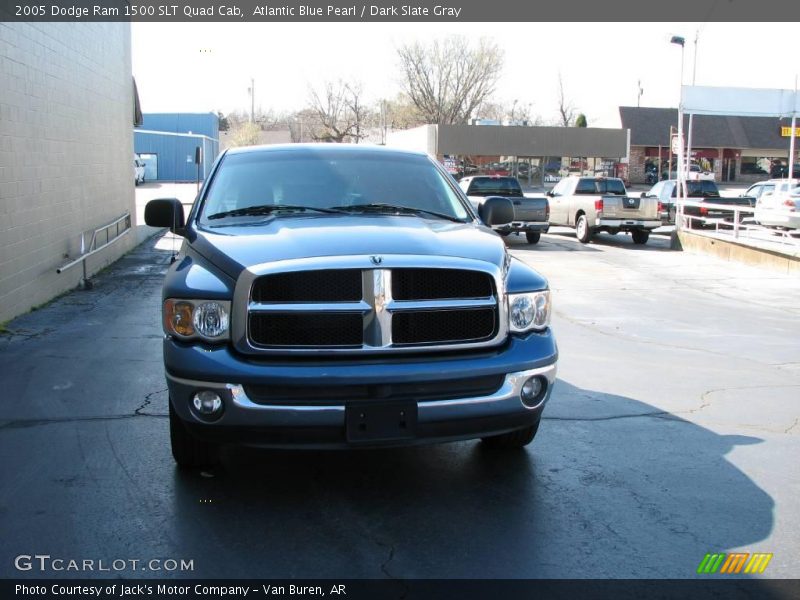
(604,491)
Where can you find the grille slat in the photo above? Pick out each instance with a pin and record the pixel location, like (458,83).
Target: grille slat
(307,329)
(429,284)
(318,395)
(329,285)
(443,326)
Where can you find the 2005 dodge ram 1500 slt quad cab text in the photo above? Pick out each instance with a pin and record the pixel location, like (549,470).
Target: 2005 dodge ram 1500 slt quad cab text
(343,296)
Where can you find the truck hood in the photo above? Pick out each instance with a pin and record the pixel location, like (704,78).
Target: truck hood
(237,247)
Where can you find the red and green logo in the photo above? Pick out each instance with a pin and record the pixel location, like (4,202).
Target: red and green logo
(734,563)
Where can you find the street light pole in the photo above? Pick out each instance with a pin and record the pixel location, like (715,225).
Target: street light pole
(681,159)
(791,139)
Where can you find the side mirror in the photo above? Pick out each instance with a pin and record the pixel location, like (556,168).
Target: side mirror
(496,210)
(549,193)
(165,212)
(644,195)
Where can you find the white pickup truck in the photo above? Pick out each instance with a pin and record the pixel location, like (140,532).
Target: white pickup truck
(592,204)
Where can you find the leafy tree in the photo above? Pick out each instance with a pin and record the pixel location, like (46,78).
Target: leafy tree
(580,120)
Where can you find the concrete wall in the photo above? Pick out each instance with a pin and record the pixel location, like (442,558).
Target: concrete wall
(532,141)
(66,151)
(421,139)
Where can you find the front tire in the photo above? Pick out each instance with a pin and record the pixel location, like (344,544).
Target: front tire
(640,236)
(187,450)
(519,438)
(582,230)
(533,237)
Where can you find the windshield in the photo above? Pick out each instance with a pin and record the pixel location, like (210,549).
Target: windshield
(501,186)
(312,181)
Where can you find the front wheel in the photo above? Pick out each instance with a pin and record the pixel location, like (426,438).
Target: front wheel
(640,236)
(519,438)
(533,237)
(187,450)
(582,230)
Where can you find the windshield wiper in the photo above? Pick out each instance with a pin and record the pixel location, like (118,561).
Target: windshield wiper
(266,209)
(391,208)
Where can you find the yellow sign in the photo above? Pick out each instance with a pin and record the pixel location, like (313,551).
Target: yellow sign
(787,131)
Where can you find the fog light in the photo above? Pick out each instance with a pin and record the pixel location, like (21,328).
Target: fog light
(207,403)
(533,390)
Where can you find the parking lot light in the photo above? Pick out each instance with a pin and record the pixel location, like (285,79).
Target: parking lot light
(678,40)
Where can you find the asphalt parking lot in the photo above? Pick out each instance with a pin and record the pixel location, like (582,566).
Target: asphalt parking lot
(673,431)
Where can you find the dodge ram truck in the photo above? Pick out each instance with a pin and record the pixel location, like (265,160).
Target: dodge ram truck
(345,296)
(530,214)
(592,204)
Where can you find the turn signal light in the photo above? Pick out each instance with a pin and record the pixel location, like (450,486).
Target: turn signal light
(178,317)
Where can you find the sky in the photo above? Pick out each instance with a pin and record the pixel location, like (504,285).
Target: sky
(201,67)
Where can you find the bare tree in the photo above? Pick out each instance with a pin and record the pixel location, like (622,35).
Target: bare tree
(339,111)
(566,110)
(448,80)
(515,111)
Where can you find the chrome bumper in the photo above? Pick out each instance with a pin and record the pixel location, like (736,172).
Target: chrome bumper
(241,411)
(623,223)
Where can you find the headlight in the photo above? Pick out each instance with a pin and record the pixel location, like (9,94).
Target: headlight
(210,319)
(205,319)
(529,311)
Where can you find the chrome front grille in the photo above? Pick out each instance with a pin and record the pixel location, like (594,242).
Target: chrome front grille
(400,308)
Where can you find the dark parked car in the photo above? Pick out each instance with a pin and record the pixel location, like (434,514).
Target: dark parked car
(345,296)
(531,215)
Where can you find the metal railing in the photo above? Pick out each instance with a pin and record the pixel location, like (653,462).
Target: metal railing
(734,226)
(120,227)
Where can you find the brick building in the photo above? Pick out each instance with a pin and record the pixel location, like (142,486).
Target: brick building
(735,148)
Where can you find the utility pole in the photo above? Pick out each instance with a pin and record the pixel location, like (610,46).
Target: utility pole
(639,94)
(252,91)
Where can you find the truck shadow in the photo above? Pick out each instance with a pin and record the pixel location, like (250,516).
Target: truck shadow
(611,487)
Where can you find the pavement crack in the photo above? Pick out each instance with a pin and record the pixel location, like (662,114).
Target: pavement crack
(659,413)
(793,425)
(147,400)
(28,423)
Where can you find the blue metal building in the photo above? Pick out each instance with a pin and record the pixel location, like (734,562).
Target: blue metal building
(167,143)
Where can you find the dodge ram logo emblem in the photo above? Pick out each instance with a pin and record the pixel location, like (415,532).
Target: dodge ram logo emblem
(376,260)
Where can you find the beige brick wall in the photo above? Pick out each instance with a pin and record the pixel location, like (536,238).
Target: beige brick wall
(66,152)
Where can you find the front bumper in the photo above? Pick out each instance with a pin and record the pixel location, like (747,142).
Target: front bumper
(193,368)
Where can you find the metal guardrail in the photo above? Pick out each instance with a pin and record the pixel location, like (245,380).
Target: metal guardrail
(120,226)
(735,227)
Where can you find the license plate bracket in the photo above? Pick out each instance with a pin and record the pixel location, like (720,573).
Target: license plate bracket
(381,421)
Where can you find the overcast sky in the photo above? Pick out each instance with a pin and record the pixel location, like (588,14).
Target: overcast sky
(198,67)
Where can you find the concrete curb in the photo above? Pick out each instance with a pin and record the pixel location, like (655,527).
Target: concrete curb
(733,251)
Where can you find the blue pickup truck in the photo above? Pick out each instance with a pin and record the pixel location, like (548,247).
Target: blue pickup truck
(346,296)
